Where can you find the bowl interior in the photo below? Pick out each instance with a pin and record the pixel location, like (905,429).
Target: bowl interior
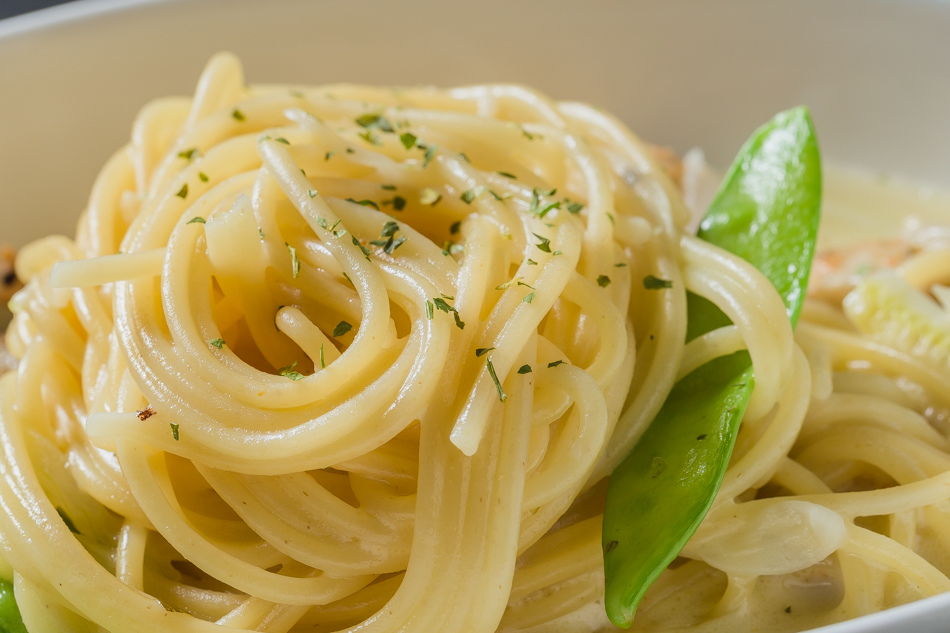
(679,73)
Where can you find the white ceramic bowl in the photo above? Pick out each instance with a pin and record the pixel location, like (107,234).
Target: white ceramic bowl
(682,73)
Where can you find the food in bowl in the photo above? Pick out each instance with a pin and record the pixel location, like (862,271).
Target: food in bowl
(324,356)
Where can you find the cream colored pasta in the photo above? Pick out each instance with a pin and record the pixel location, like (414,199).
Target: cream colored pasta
(352,358)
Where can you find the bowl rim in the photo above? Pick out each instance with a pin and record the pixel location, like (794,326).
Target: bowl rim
(71,11)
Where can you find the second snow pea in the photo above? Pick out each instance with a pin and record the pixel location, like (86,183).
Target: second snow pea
(767,212)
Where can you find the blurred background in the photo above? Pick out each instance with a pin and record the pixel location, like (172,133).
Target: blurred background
(10,8)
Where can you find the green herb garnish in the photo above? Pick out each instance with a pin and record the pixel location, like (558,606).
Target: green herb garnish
(655,283)
(387,240)
(374,122)
(491,372)
(429,197)
(469,195)
(341,328)
(288,372)
(365,250)
(294,261)
(408,140)
(544,245)
(364,203)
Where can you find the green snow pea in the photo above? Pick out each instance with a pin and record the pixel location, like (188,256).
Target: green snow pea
(10,620)
(767,212)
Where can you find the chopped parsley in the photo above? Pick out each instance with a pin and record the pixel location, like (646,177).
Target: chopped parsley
(174,428)
(370,137)
(188,154)
(603,281)
(323,362)
(556,363)
(387,239)
(341,328)
(620,265)
(441,304)
(430,153)
(289,372)
(491,372)
(183,192)
(429,310)
(388,187)
(481,351)
(408,140)
(528,298)
(375,122)
(573,207)
(655,283)
(505,285)
(399,203)
(364,203)
(281,139)
(329,154)
(313,193)
(429,197)
(196,220)
(499,197)
(528,135)
(536,195)
(455,227)
(469,195)
(507,174)
(524,369)
(365,250)
(544,245)
(217,342)
(237,114)
(203,177)
(531,262)
(294,261)
(449,247)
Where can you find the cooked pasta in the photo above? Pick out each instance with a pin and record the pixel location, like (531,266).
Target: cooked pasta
(353,358)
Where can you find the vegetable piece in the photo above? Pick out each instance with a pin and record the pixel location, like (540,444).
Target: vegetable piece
(890,310)
(767,212)
(10,619)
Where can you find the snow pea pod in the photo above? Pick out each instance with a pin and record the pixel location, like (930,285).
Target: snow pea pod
(10,620)
(767,212)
